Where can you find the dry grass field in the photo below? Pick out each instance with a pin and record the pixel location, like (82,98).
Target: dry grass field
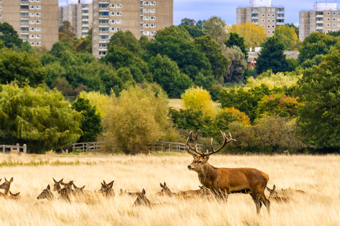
(317,175)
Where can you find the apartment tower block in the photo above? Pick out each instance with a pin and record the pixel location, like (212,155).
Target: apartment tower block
(139,17)
(80,17)
(262,13)
(325,17)
(36,21)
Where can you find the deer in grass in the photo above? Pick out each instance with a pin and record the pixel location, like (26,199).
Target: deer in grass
(132,194)
(165,191)
(107,189)
(224,181)
(56,186)
(46,194)
(66,192)
(143,201)
(6,185)
(273,195)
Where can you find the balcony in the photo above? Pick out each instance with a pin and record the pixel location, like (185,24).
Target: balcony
(254,17)
(280,23)
(319,16)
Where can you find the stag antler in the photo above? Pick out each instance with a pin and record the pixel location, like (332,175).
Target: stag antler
(225,141)
(191,150)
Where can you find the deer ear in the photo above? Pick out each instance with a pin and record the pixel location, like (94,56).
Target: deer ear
(164,184)
(143,192)
(268,189)
(161,185)
(6,179)
(11,180)
(48,187)
(82,187)
(54,180)
(274,187)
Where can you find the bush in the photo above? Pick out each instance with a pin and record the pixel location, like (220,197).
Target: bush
(198,99)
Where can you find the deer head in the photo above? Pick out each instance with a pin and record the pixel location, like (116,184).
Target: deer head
(78,191)
(107,189)
(142,200)
(6,185)
(272,192)
(46,194)
(56,186)
(201,158)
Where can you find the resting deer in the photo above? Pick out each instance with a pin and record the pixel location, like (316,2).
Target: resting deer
(107,189)
(56,186)
(6,185)
(132,194)
(224,181)
(46,194)
(274,196)
(66,192)
(165,191)
(143,201)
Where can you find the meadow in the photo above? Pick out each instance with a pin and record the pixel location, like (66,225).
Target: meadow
(317,175)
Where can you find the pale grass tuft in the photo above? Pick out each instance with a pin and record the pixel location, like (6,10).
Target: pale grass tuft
(317,175)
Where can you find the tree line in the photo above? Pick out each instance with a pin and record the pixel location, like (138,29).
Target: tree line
(284,105)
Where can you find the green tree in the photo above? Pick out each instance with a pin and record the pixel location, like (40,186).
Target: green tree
(272,57)
(9,36)
(42,120)
(315,44)
(317,59)
(193,30)
(91,121)
(135,120)
(287,36)
(296,29)
(176,44)
(292,63)
(215,27)
(236,40)
(167,74)
(21,67)
(219,63)
(319,89)
(235,71)
(189,22)
(63,86)
(126,39)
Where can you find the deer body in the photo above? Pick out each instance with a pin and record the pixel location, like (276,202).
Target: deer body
(224,181)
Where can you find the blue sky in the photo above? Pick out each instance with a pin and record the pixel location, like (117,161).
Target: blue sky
(226,9)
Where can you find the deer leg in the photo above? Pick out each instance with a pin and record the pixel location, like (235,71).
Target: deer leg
(265,201)
(257,202)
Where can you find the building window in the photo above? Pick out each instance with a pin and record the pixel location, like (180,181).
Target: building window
(38,14)
(153,18)
(103,13)
(273,21)
(23,14)
(112,5)
(263,9)
(119,21)
(38,7)
(31,6)
(85,11)
(112,29)
(268,21)
(302,14)
(31,21)
(153,25)
(273,32)
(38,28)
(32,43)
(103,45)
(31,28)
(302,20)
(327,25)
(152,3)
(268,10)
(85,28)
(334,25)
(103,37)
(152,10)
(268,15)
(146,33)
(338,13)
(145,3)
(103,21)
(273,9)
(333,19)
(263,26)
(32,36)
(146,18)
(24,29)
(263,15)
(239,10)
(302,25)
(119,28)
(119,6)
(112,21)
(38,36)
(102,52)
(146,25)
(273,15)
(268,26)
(119,13)
(153,32)
(328,13)
(263,21)
(268,32)
(145,10)
(31,14)
(328,19)
(101,29)
(24,21)
(112,13)
(273,26)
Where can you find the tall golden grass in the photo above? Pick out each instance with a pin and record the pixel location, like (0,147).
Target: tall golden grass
(317,175)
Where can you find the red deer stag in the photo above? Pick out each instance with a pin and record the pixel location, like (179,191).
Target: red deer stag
(223,181)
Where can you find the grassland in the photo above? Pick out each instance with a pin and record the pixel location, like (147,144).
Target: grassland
(317,175)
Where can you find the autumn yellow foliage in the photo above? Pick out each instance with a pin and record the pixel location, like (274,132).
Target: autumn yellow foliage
(101,101)
(253,34)
(274,80)
(233,113)
(287,35)
(199,99)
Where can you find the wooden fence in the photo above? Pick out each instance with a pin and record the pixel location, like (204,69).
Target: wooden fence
(14,148)
(158,146)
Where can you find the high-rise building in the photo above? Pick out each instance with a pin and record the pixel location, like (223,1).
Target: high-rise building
(36,21)
(325,17)
(140,17)
(262,13)
(79,15)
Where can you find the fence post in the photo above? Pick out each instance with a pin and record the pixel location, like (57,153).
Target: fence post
(25,148)
(18,148)
(169,147)
(3,148)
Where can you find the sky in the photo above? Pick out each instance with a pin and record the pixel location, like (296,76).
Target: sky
(226,9)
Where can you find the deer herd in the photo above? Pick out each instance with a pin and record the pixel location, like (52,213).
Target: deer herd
(217,183)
